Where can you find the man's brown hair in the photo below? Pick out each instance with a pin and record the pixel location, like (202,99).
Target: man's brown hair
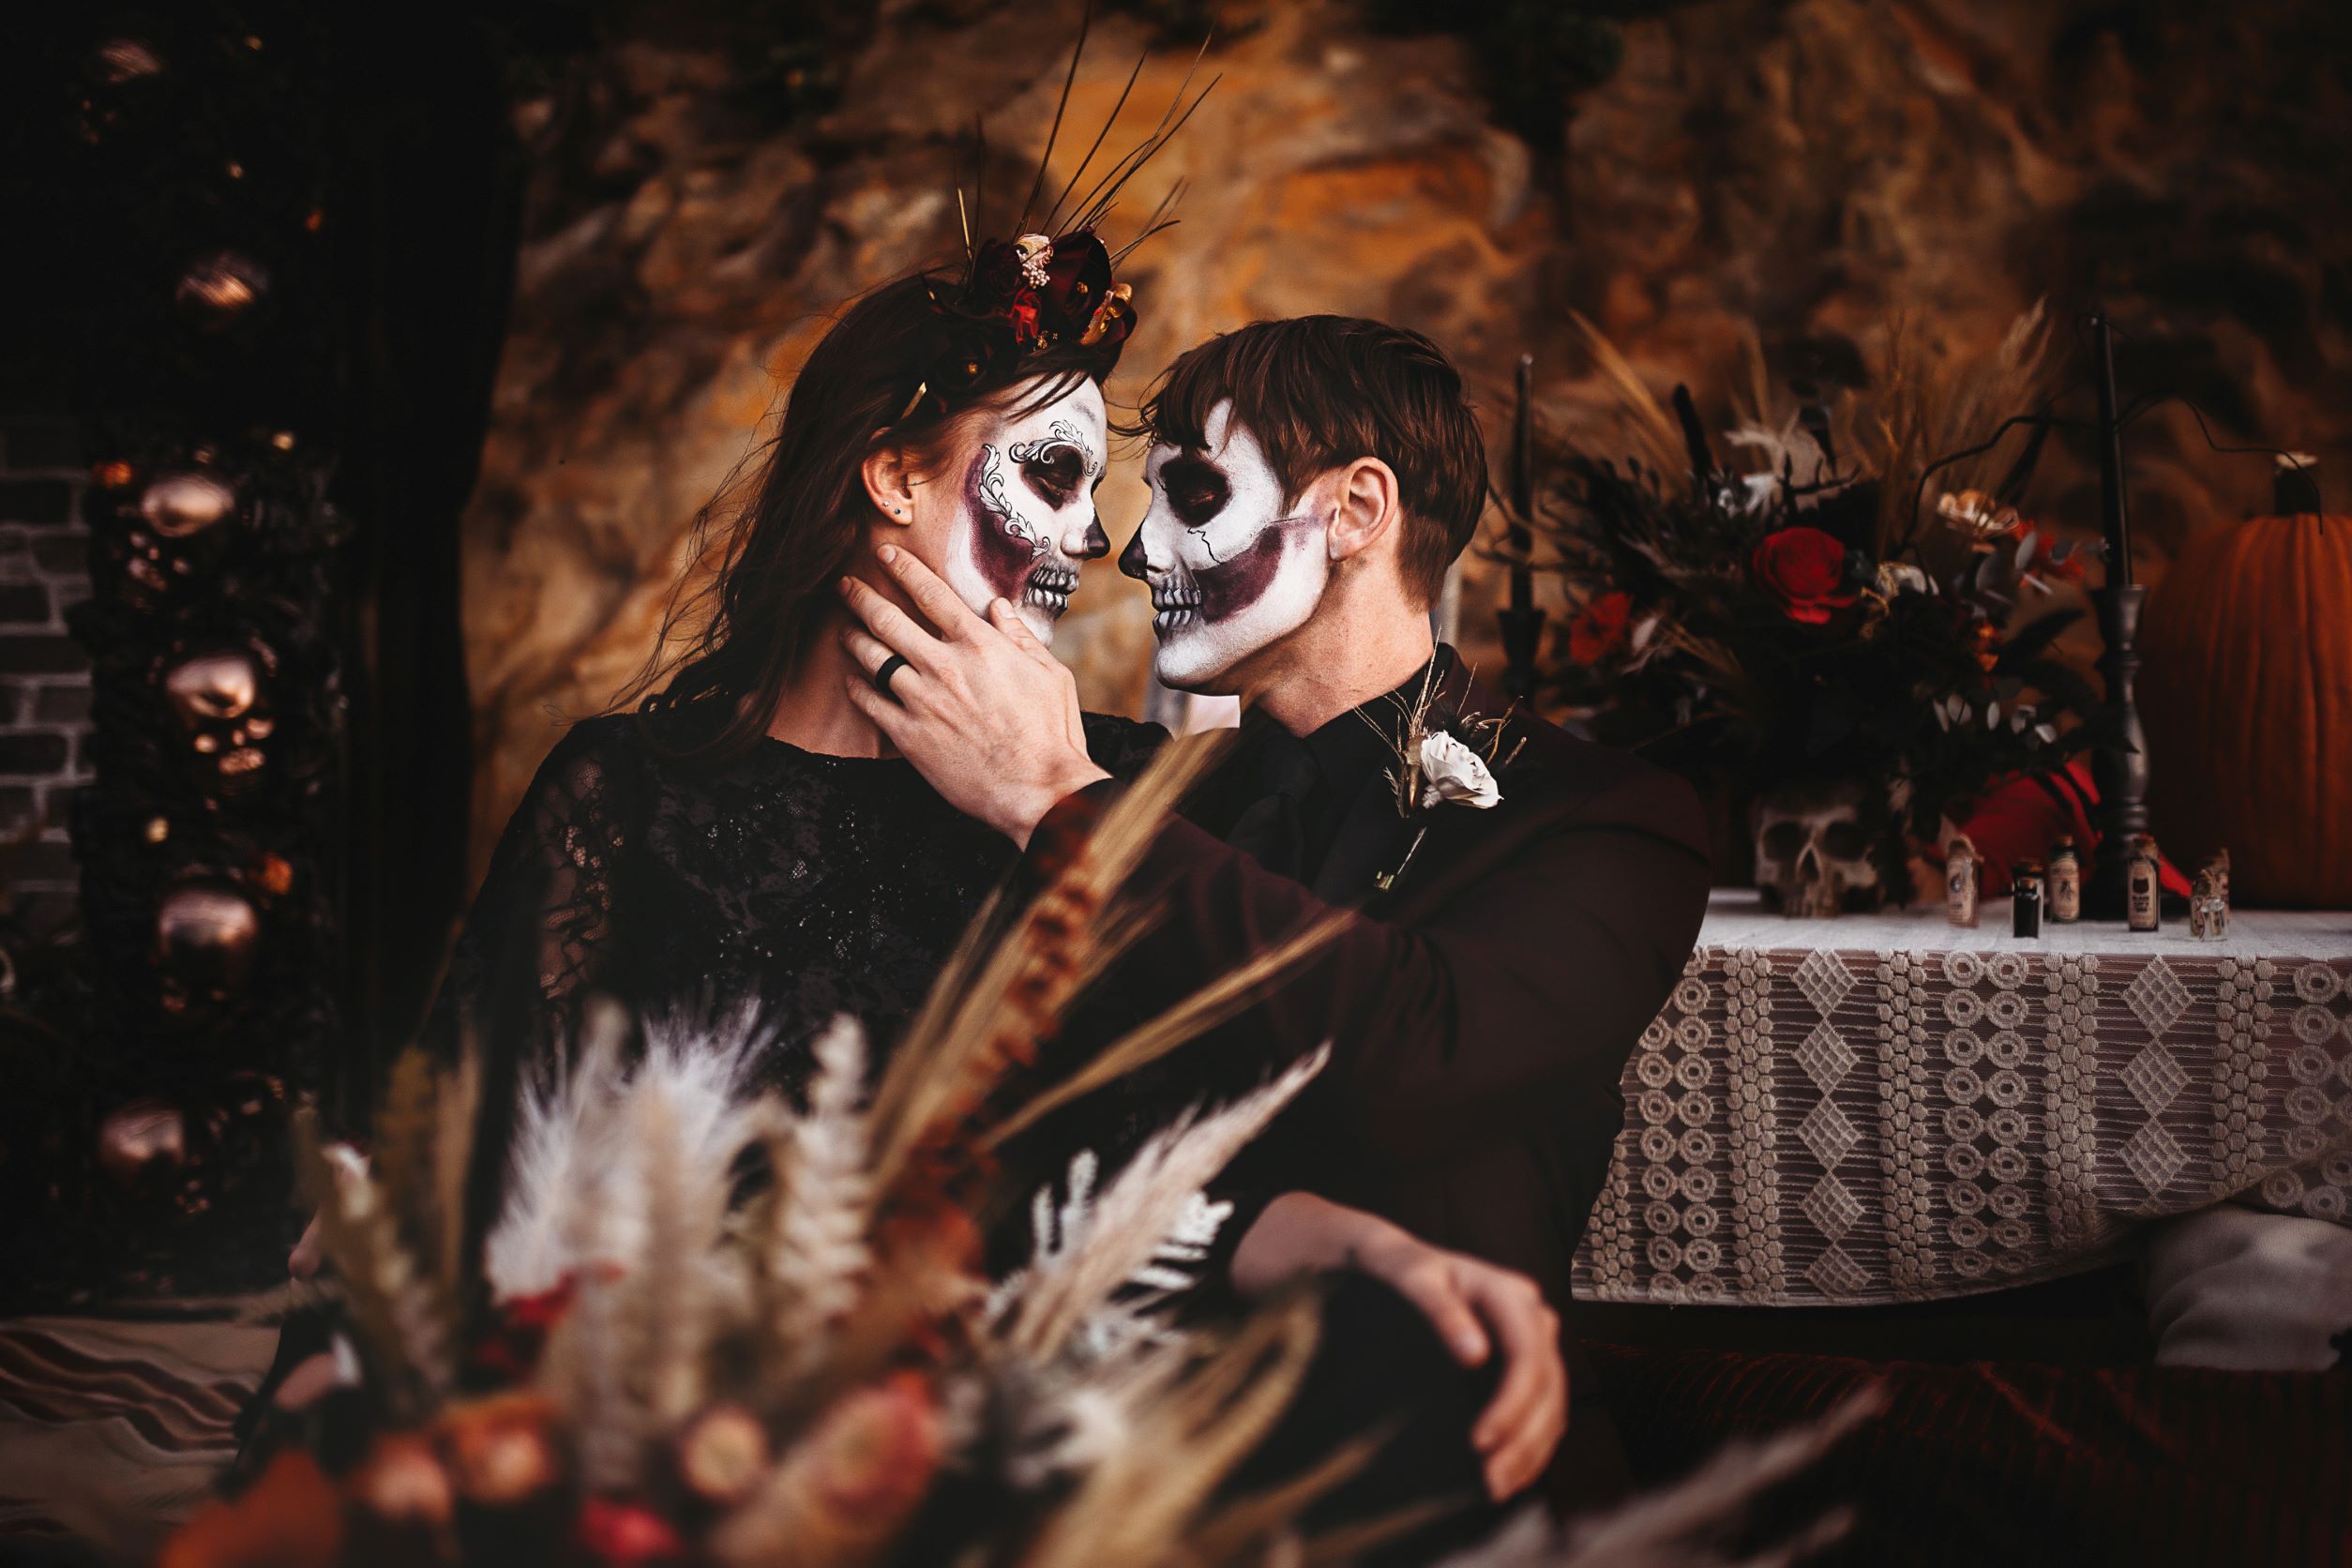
(1322,391)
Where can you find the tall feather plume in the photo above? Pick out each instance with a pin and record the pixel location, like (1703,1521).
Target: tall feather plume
(1190,1019)
(664,1307)
(552,1170)
(1095,204)
(1061,105)
(455,1111)
(423,1138)
(402,1333)
(582,1366)
(1138,1211)
(402,1152)
(1054,211)
(1246,1529)
(1655,436)
(686,1115)
(1933,399)
(648,1158)
(818,1248)
(1185,1437)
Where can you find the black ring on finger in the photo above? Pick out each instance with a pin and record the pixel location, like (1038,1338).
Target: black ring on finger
(890,667)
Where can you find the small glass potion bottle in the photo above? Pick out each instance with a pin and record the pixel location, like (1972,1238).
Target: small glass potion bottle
(2143,888)
(1960,880)
(2208,903)
(2024,903)
(2065,881)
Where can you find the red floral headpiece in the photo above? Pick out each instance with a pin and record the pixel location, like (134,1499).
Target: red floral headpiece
(1023,296)
(1020,297)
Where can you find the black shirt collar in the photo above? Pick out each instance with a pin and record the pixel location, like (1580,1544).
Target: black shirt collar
(1364,741)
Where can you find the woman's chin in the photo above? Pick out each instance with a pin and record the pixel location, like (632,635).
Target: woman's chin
(1041,622)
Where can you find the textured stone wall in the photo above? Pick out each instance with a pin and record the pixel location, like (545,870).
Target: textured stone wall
(44,674)
(1761,182)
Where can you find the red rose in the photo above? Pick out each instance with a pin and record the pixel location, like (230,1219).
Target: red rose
(1022,314)
(509,1352)
(1805,569)
(1599,629)
(626,1534)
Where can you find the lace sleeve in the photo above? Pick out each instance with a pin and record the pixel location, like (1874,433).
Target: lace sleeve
(541,934)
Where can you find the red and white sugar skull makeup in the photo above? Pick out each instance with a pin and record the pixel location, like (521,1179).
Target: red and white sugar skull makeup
(1231,569)
(1025,506)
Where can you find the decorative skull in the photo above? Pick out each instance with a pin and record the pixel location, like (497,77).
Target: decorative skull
(220,696)
(1822,847)
(1036,254)
(207,935)
(170,533)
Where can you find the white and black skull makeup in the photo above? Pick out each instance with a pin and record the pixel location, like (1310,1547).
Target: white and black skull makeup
(1025,505)
(1231,569)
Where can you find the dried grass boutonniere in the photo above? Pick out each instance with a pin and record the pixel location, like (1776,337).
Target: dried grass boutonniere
(1441,760)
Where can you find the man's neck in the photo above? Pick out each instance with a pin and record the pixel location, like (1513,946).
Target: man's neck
(1337,662)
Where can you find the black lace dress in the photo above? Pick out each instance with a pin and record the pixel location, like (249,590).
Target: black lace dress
(818,885)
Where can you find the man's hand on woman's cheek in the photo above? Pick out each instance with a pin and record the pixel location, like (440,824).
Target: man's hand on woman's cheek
(982,709)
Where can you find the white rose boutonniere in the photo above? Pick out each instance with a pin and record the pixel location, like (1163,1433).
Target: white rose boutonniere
(1449,762)
(1450,771)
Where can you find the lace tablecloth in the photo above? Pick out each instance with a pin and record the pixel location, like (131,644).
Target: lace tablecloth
(1882,1109)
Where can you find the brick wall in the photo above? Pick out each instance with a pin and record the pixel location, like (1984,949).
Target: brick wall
(44,675)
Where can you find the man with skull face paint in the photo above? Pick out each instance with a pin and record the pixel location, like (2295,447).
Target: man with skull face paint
(1312,481)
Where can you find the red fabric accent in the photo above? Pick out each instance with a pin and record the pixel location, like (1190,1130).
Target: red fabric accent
(2016,1464)
(2019,820)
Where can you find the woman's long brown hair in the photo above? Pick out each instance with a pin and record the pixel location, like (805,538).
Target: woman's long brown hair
(734,637)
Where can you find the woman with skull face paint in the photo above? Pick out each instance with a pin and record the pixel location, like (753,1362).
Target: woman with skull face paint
(744,835)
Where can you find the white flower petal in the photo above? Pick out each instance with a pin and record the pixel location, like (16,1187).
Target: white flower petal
(1450,771)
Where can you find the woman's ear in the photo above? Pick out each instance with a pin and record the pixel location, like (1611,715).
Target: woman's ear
(890,482)
(1366,508)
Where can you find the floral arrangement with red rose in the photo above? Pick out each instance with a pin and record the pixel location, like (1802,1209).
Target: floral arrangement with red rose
(1805,602)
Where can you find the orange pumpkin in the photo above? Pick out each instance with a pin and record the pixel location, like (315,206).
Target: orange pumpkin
(2246,693)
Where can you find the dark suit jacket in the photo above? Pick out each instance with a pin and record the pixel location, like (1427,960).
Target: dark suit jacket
(1481,1009)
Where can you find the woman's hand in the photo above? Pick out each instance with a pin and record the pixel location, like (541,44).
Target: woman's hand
(1473,1306)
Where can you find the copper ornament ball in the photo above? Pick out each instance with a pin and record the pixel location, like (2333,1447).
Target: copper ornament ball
(179,505)
(141,1136)
(206,937)
(217,685)
(121,60)
(223,284)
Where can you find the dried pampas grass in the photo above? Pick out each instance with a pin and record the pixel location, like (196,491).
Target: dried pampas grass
(643,1362)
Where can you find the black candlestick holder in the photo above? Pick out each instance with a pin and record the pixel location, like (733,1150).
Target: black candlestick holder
(1522,622)
(1522,639)
(2120,767)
